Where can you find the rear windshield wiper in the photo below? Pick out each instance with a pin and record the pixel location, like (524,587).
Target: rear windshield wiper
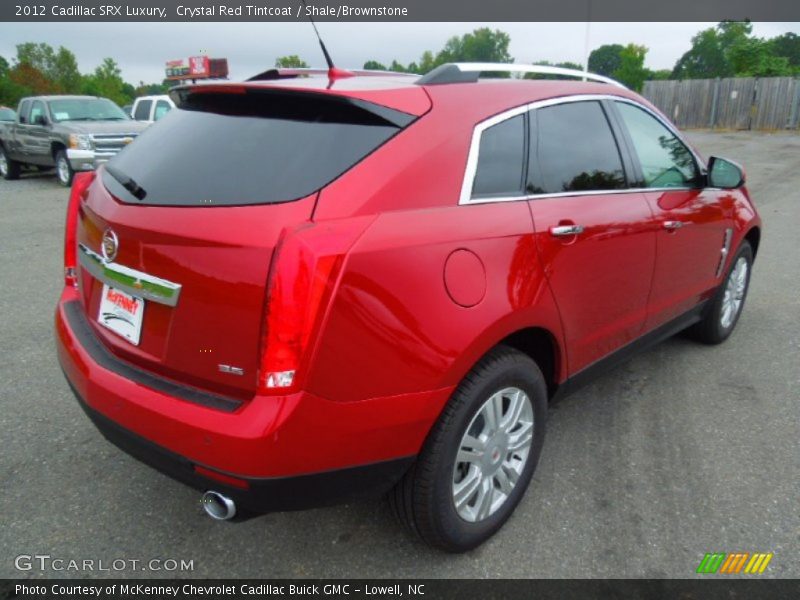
(126,182)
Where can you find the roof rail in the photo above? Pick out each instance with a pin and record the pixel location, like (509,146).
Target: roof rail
(288,73)
(469,72)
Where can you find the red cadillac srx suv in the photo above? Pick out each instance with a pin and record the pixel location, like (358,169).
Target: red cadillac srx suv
(302,289)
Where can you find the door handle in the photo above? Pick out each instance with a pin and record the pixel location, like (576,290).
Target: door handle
(566,230)
(673,225)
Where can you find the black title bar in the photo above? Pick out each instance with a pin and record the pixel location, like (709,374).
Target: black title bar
(399,10)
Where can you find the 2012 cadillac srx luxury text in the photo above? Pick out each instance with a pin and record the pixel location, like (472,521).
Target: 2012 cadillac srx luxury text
(314,286)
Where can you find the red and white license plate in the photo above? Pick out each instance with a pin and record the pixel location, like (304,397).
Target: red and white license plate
(121,313)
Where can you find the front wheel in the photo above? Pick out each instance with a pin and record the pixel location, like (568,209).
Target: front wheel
(9,169)
(726,306)
(64,171)
(479,458)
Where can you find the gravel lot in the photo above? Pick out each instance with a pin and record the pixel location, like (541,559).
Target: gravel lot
(684,450)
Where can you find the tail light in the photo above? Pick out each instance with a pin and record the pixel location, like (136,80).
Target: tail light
(80,184)
(305,270)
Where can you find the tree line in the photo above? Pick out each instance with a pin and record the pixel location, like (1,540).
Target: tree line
(728,49)
(41,69)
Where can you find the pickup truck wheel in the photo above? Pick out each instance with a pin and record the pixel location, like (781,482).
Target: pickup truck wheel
(9,169)
(479,458)
(726,306)
(64,171)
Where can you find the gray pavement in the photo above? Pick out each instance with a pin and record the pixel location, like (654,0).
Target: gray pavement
(686,449)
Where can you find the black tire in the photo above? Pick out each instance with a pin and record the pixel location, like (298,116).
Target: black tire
(424,499)
(64,172)
(9,169)
(711,329)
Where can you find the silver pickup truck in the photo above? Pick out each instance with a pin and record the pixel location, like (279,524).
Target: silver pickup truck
(70,133)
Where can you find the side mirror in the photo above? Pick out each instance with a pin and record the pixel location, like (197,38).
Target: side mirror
(724,173)
(40,120)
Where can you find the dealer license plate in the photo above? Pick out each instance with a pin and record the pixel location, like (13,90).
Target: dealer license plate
(121,313)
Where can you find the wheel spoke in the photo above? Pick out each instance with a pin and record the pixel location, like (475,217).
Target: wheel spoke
(468,455)
(483,506)
(506,478)
(464,490)
(516,402)
(521,438)
(492,412)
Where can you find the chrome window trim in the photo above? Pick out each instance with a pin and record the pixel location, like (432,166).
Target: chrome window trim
(475,143)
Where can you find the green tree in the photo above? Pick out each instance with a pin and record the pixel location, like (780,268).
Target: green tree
(659,75)
(547,63)
(374,65)
(606,59)
(752,57)
(59,66)
(481,45)
(705,59)
(106,81)
(631,71)
(3,67)
(290,62)
(786,46)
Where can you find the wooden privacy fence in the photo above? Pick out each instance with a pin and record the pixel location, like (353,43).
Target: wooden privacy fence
(734,103)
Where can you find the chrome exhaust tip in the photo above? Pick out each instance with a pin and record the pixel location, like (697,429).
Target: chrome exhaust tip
(218,506)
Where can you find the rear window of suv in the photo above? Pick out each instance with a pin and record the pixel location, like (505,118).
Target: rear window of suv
(248,148)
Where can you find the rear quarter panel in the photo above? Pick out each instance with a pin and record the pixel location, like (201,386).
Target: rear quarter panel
(393,327)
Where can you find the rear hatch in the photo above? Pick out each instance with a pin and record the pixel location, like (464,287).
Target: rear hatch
(177,233)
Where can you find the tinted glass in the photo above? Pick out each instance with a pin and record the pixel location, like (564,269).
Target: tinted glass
(86,109)
(501,159)
(162,108)
(573,149)
(142,112)
(256,148)
(37,112)
(6,114)
(665,160)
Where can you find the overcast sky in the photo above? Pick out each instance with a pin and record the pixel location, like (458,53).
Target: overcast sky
(142,48)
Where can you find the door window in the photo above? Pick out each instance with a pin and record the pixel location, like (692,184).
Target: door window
(665,160)
(24,110)
(142,112)
(573,149)
(501,159)
(37,112)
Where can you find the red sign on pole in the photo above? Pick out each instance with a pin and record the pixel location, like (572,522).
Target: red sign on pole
(198,66)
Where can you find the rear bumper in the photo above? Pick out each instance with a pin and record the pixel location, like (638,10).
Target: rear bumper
(295,451)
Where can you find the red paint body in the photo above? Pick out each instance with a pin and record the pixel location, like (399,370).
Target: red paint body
(398,329)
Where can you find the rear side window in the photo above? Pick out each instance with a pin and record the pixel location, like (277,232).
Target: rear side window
(249,148)
(665,159)
(501,159)
(573,149)
(142,112)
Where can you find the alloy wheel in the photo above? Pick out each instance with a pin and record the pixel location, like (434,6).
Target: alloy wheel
(63,170)
(492,454)
(735,289)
